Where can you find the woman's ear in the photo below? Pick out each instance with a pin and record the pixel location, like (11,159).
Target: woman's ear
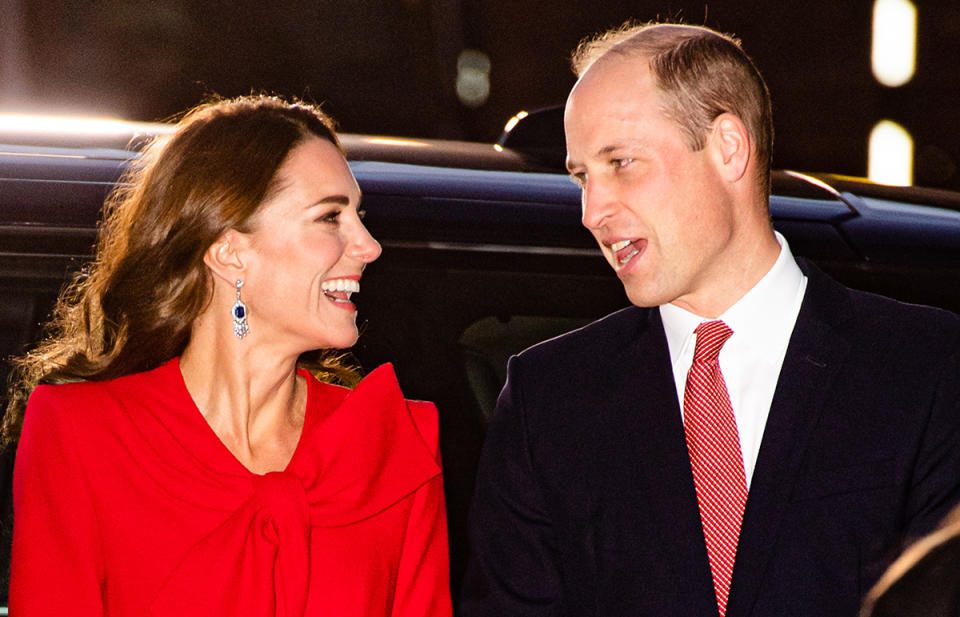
(225,256)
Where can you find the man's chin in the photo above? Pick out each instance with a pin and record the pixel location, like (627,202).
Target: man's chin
(644,297)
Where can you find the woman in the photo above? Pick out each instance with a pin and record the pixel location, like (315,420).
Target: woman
(186,465)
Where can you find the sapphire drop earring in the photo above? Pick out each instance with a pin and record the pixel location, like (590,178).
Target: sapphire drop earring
(240,326)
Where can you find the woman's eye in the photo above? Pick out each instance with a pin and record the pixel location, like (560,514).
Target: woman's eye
(361,214)
(330,217)
(620,163)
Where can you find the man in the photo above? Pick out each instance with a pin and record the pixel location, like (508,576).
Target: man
(632,471)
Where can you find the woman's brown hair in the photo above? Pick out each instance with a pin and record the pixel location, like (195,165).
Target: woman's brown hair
(132,308)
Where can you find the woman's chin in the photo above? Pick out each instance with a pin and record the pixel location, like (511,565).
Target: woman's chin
(344,340)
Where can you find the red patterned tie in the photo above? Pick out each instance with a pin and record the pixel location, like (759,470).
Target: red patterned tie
(714,447)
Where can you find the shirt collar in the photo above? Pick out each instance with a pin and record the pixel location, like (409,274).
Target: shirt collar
(760,313)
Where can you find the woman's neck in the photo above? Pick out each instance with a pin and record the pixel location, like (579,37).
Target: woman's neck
(249,394)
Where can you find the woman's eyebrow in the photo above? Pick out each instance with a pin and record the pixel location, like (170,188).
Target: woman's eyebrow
(342,200)
(338,200)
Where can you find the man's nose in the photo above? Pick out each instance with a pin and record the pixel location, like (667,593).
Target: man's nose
(598,202)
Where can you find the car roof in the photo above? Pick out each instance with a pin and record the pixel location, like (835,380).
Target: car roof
(117,140)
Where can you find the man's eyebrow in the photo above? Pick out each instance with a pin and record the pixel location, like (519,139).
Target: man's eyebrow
(614,147)
(625,145)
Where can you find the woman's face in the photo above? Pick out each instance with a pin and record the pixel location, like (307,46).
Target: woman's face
(306,252)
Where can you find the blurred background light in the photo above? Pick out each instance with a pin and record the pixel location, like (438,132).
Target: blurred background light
(70,125)
(890,154)
(894,53)
(473,78)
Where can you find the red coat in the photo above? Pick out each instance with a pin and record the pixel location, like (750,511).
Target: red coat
(126,502)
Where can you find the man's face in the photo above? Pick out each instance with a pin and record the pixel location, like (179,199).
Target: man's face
(661,213)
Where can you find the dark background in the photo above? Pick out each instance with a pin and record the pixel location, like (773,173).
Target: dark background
(389,66)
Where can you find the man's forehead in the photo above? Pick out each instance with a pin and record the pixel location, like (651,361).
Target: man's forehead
(613,96)
(614,64)
(619,81)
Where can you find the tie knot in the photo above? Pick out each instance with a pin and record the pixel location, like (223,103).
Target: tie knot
(711,335)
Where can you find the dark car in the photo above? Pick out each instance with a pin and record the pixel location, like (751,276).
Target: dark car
(483,255)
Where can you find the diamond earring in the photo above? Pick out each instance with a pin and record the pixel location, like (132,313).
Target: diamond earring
(240,326)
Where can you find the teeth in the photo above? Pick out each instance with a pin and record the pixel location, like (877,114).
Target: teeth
(616,246)
(624,260)
(347,285)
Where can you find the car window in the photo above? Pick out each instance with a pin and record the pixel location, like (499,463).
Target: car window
(488,343)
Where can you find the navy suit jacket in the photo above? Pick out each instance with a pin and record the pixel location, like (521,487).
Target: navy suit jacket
(585,503)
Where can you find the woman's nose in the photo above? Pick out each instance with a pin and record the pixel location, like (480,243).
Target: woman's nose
(365,247)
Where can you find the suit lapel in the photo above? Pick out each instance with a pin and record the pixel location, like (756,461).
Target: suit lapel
(814,356)
(662,456)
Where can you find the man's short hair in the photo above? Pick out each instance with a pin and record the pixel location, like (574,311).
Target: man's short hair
(702,74)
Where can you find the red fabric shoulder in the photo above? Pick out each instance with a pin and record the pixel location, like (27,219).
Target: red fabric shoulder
(426,419)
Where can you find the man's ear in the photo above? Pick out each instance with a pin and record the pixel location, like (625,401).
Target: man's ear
(731,143)
(225,256)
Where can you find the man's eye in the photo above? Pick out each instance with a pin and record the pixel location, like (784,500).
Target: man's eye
(579,179)
(620,163)
(361,214)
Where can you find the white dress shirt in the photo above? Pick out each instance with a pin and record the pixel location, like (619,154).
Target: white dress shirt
(762,322)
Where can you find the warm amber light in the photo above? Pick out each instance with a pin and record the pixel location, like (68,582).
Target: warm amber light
(389,141)
(894,54)
(890,154)
(512,122)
